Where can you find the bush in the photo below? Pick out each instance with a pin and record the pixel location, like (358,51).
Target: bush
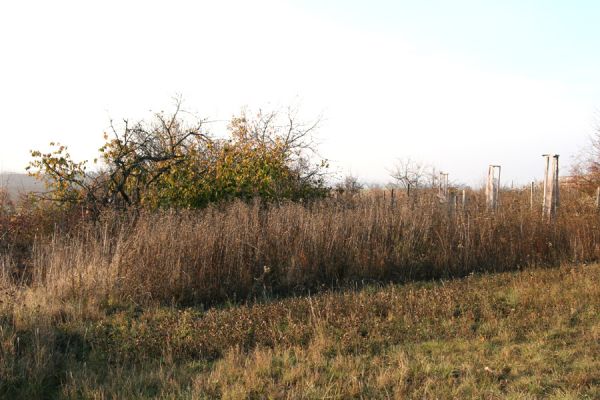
(170,162)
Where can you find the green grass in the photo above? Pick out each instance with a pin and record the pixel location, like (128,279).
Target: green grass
(523,335)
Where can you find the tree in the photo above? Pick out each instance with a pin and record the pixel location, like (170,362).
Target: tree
(282,151)
(134,159)
(585,171)
(67,181)
(432,177)
(408,173)
(173,161)
(349,185)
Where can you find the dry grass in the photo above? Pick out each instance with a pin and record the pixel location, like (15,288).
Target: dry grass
(529,334)
(240,251)
(197,304)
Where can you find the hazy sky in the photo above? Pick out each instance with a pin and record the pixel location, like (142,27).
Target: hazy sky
(460,84)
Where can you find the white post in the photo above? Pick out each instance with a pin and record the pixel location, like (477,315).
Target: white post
(556,184)
(551,186)
(492,188)
(531,192)
(544,190)
(498,185)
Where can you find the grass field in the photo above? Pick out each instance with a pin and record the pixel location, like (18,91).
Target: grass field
(528,334)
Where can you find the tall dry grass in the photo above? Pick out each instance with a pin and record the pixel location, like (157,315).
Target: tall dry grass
(239,251)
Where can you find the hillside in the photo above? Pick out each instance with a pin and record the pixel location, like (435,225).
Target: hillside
(16,183)
(528,334)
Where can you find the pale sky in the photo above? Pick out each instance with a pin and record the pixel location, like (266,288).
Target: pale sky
(459,84)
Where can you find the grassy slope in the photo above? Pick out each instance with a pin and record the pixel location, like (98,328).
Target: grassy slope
(531,334)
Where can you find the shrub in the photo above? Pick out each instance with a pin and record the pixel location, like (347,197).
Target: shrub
(170,162)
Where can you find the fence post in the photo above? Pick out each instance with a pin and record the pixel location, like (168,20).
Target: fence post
(452,199)
(531,191)
(443,187)
(492,189)
(551,186)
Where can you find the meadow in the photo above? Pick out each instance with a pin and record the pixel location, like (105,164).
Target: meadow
(354,296)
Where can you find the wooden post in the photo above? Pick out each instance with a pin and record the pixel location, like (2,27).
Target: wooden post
(531,191)
(492,189)
(551,186)
(498,185)
(443,187)
(598,197)
(452,202)
(556,181)
(547,167)
(464,199)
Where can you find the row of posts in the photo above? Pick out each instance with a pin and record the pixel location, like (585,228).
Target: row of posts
(551,193)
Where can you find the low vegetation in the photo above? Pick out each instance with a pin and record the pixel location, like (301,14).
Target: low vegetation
(198,304)
(529,334)
(240,251)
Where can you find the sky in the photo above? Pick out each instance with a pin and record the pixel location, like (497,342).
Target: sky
(456,84)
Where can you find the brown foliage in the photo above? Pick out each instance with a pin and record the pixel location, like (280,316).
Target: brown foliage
(585,171)
(241,250)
